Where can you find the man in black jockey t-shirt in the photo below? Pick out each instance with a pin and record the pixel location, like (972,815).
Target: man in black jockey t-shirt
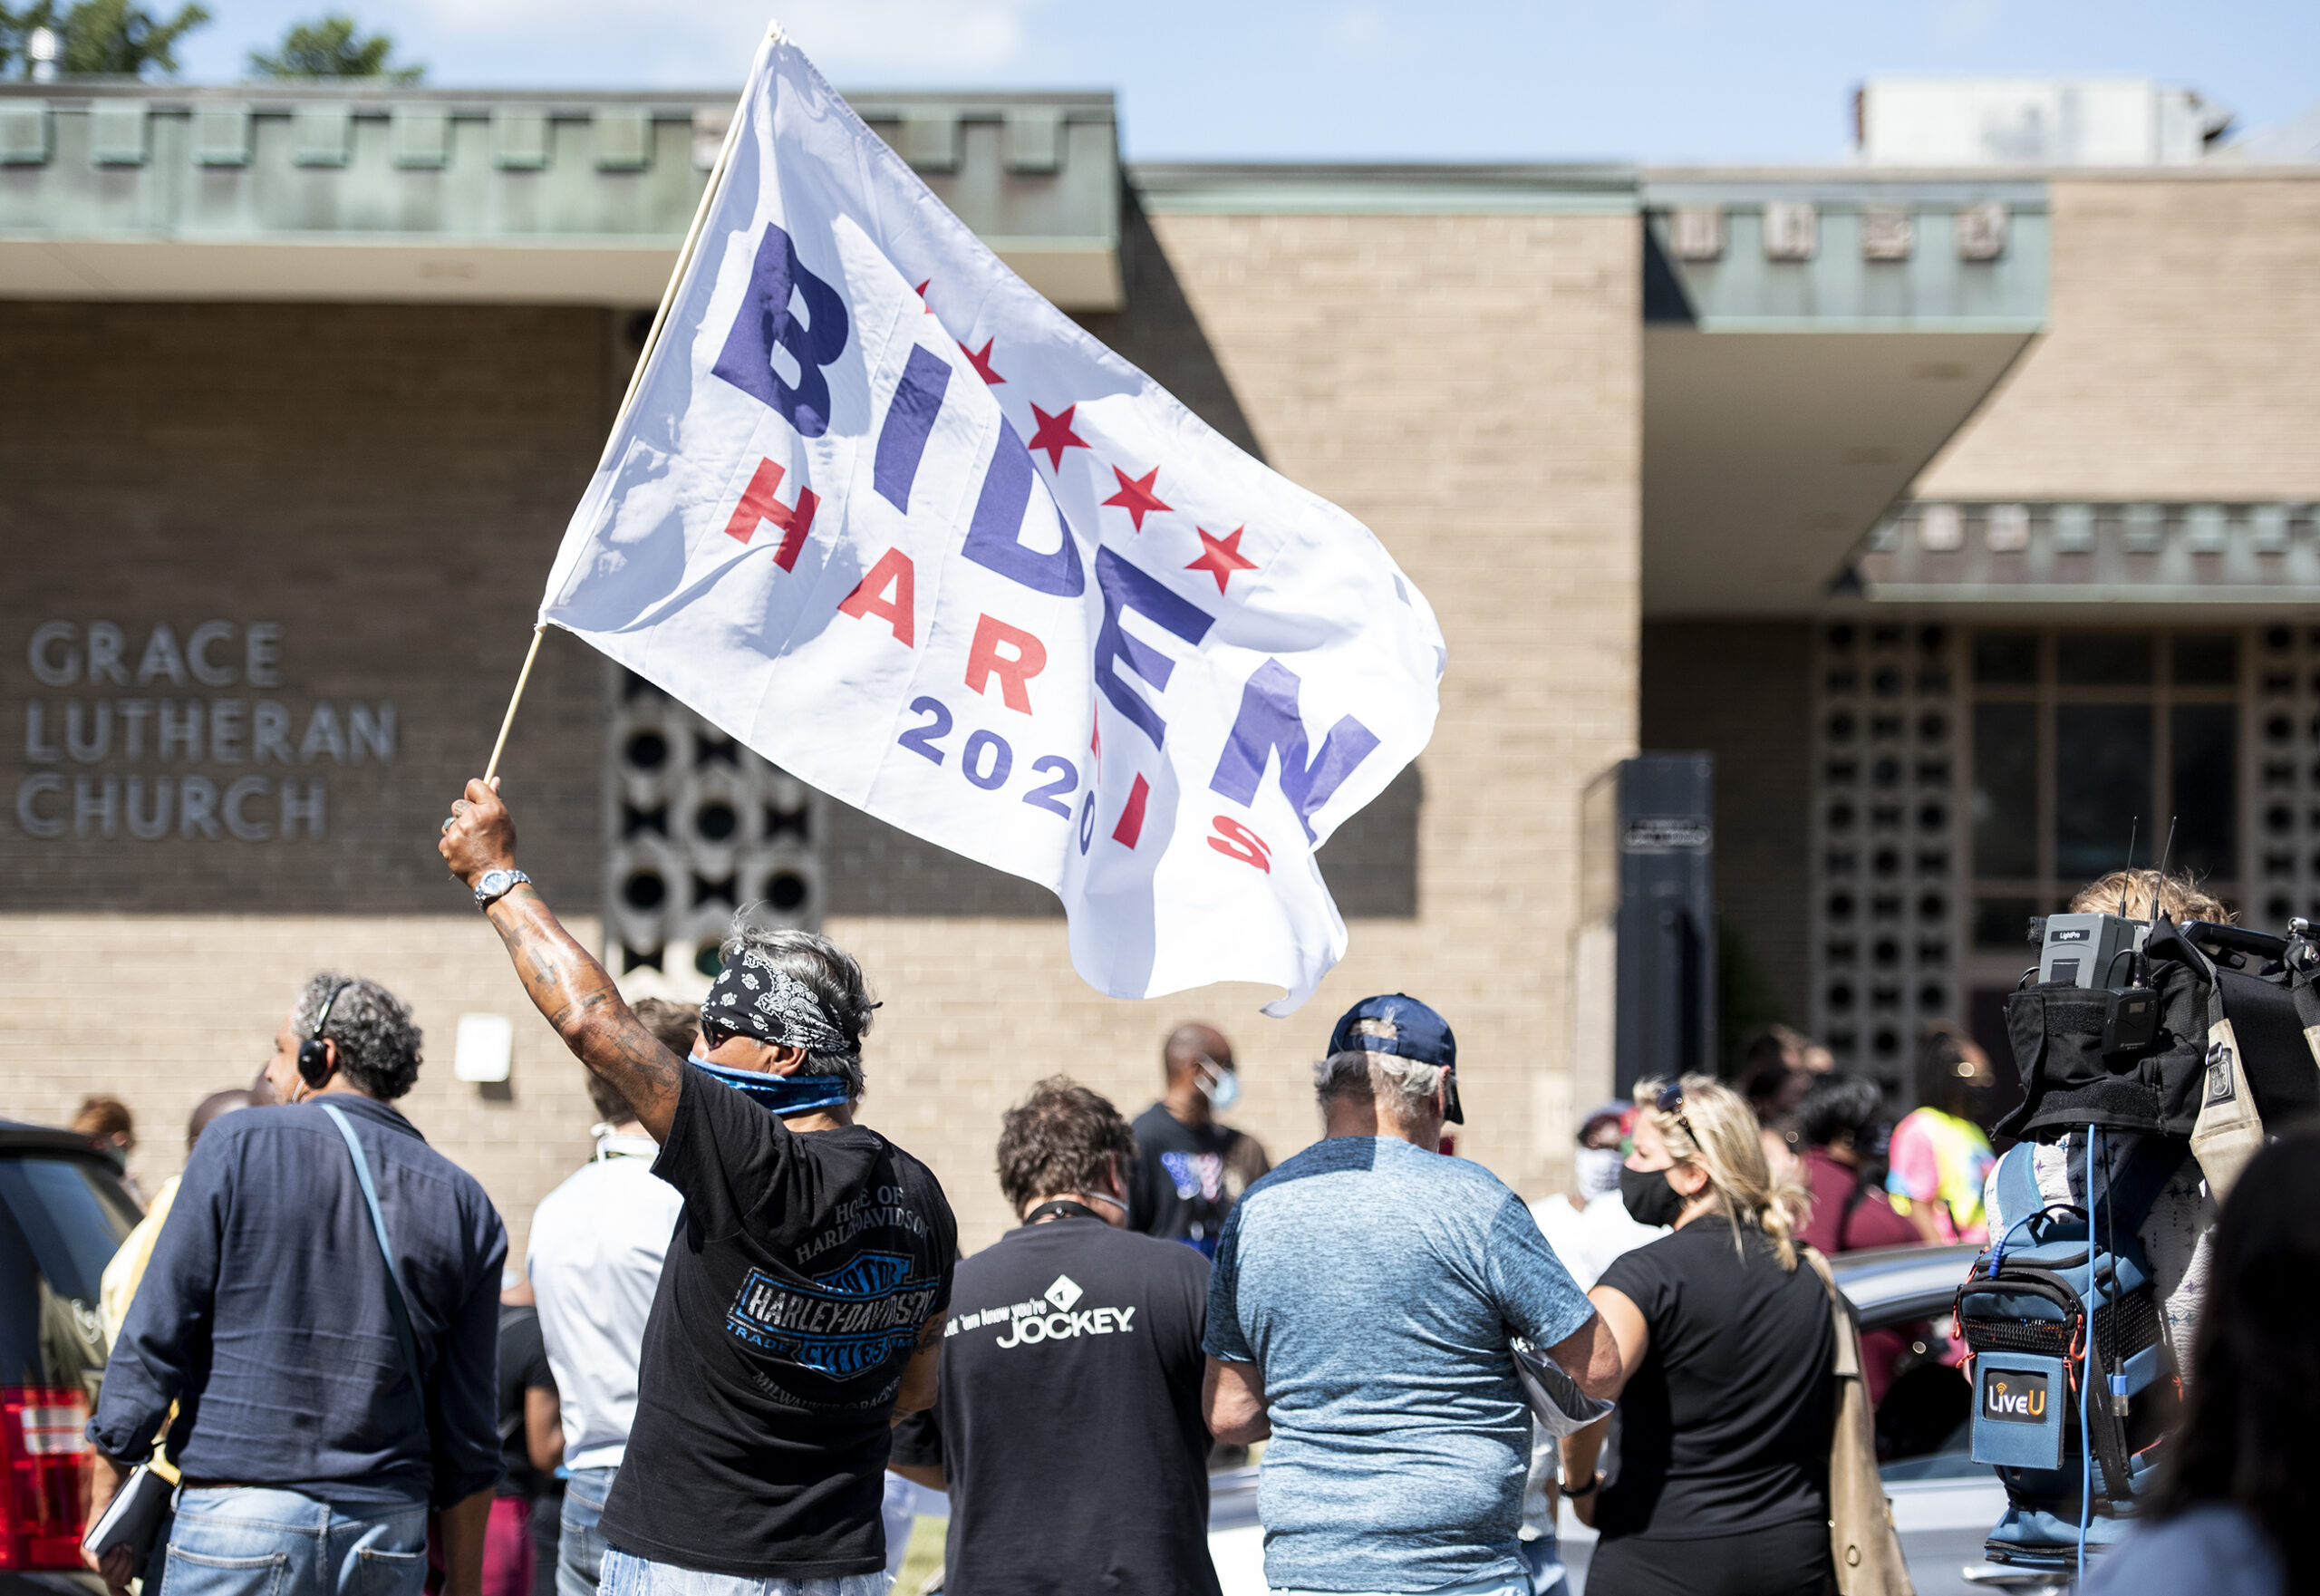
(1068,1429)
(801,1304)
(1189,1170)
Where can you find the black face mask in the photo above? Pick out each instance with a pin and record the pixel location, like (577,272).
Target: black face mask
(1649,1199)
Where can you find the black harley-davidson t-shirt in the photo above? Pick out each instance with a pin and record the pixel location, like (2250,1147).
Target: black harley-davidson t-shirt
(796,1285)
(1068,1429)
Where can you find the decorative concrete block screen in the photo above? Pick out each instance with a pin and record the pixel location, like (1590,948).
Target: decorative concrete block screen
(696,827)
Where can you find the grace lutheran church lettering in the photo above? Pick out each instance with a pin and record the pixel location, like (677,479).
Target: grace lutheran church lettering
(159,759)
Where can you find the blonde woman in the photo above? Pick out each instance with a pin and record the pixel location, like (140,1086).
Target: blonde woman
(1718,1485)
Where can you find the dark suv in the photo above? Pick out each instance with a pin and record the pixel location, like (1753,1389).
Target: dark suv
(63,1213)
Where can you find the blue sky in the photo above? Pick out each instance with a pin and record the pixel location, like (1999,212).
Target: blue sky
(1649,80)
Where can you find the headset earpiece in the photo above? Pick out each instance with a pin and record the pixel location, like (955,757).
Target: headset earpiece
(317,1059)
(314,1065)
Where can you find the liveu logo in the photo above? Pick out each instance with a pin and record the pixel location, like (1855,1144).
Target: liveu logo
(2015,1398)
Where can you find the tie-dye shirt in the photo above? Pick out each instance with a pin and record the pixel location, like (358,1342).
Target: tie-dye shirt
(1942,1160)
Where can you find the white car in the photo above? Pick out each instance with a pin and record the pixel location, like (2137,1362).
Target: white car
(1944,1505)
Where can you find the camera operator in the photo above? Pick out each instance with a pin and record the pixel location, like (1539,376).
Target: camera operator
(2175,1236)
(1068,1429)
(2234,1506)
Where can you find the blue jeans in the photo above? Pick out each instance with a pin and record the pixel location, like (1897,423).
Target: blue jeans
(261,1542)
(1470,1588)
(634,1576)
(1543,1558)
(580,1554)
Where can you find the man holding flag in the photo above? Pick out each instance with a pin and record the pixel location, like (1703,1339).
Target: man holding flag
(879,512)
(800,1309)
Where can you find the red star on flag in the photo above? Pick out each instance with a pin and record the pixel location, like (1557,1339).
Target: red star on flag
(1135,496)
(1054,435)
(981,360)
(921,291)
(1221,556)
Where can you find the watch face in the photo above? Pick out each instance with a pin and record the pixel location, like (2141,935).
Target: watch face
(496,880)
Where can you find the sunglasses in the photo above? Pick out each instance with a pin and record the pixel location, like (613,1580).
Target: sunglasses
(1670,1101)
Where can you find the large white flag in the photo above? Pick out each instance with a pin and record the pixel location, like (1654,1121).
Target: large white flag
(887,517)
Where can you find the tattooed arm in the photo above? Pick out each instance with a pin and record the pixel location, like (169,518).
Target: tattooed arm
(567,983)
(918,1389)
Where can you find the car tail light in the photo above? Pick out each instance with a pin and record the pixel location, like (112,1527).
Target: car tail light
(45,1448)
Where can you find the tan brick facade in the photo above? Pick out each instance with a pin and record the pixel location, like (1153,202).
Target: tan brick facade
(2183,357)
(386,484)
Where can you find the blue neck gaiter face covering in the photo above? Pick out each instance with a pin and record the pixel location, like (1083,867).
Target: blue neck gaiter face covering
(784,1094)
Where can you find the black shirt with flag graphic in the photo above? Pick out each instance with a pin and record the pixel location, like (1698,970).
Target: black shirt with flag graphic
(1069,1427)
(1186,1177)
(799,1278)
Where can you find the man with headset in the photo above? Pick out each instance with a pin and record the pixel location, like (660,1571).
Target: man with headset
(326,1399)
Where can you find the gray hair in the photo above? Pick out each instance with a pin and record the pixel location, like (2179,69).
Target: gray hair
(1403,1087)
(828,971)
(378,1044)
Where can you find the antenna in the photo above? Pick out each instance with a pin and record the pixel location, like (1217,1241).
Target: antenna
(2160,880)
(2127,876)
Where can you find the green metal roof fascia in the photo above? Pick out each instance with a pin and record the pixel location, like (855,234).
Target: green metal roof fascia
(1302,188)
(1837,192)
(479,101)
(1836,290)
(1068,191)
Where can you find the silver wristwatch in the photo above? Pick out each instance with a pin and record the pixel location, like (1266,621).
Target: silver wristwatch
(496,885)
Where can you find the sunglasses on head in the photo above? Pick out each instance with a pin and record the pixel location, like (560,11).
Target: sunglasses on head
(1670,1101)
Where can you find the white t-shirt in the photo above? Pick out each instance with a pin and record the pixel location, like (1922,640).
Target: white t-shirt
(595,1263)
(1590,1240)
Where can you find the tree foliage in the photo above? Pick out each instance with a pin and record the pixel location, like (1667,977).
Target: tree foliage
(334,47)
(117,38)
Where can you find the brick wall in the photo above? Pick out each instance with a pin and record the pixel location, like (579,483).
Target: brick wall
(2183,358)
(385,484)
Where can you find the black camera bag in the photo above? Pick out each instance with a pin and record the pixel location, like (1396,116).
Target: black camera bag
(2069,1083)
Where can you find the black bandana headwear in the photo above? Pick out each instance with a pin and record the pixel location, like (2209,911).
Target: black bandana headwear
(750,997)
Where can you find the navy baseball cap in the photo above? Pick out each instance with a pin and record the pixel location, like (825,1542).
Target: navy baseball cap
(1399,1024)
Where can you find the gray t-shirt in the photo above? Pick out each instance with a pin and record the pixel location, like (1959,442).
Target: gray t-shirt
(1374,1286)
